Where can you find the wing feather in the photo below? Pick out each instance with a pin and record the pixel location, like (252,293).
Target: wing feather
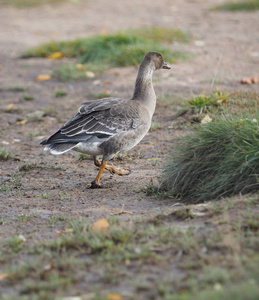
(103,117)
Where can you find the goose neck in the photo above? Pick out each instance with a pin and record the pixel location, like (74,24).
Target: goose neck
(143,85)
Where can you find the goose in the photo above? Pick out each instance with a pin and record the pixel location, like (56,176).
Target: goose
(111,125)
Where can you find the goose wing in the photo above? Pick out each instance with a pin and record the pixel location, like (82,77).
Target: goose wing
(101,118)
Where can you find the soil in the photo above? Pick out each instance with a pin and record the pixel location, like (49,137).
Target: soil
(225,49)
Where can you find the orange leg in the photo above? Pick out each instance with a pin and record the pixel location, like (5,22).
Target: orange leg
(96,183)
(111,168)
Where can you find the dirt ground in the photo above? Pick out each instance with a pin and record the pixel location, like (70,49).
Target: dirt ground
(225,48)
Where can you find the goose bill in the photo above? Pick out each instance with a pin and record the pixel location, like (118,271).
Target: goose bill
(166,66)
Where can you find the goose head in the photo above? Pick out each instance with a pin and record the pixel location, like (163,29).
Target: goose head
(156,60)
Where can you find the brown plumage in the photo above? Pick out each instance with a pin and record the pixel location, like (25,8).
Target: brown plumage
(111,125)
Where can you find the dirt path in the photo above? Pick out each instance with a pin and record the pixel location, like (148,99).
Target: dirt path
(225,48)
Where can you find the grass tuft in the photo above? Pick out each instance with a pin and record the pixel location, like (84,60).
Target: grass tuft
(60,93)
(5,154)
(215,160)
(27,97)
(69,72)
(248,5)
(123,48)
(17,88)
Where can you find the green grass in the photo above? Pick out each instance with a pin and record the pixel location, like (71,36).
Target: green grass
(60,93)
(82,156)
(217,159)
(29,166)
(27,97)
(123,48)
(32,133)
(155,126)
(99,95)
(204,102)
(69,72)
(28,3)
(17,88)
(13,183)
(248,5)
(5,154)
(185,260)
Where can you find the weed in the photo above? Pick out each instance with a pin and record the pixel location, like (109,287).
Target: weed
(83,156)
(23,218)
(14,183)
(60,93)
(63,196)
(34,133)
(29,166)
(183,213)
(57,218)
(250,5)
(50,111)
(203,102)
(17,88)
(5,154)
(16,243)
(27,97)
(155,126)
(99,95)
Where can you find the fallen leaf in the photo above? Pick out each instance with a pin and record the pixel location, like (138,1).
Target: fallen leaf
(100,225)
(21,122)
(5,143)
(16,140)
(57,231)
(3,276)
(10,106)
(199,43)
(48,267)
(222,101)
(217,286)
(250,79)
(90,74)
(104,31)
(43,77)
(22,238)
(56,55)
(80,67)
(113,296)
(206,119)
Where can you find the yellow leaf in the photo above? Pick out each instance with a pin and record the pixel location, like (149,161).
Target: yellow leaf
(3,276)
(100,225)
(80,67)
(43,77)
(56,55)
(104,31)
(113,296)
(21,122)
(10,106)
